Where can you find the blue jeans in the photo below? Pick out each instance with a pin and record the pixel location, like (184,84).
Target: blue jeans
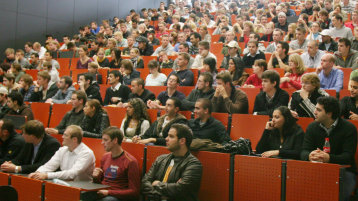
(349,184)
(109,198)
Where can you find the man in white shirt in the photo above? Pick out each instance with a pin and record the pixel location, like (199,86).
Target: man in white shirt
(312,57)
(339,30)
(74,159)
(204,52)
(166,46)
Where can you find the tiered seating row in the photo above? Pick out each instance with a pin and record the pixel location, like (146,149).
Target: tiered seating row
(224,178)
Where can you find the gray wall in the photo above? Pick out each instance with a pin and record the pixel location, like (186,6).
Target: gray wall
(31,20)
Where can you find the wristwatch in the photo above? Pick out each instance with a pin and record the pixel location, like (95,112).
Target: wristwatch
(17,169)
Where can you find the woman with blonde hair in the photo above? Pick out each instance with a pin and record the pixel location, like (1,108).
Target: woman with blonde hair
(111,44)
(291,33)
(248,29)
(100,58)
(136,121)
(296,68)
(173,38)
(205,36)
(303,101)
(121,42)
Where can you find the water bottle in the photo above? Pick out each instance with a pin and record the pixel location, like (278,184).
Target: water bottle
(327,146)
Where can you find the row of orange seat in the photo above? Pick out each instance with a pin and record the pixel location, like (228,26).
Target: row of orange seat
(225,177)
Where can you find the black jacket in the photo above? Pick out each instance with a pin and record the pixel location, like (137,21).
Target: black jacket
(249,60)
(94,126)
(93,92)
(70,118)
(183,182)
(148,51)
(289,149)
(189,102)
(145,96)
(157,127)
(47,149)
(348,104)
(213,130)
(123,93)
(262,107)
(11,147)
(332,48)
(24,110)
(342,139)
(305,108)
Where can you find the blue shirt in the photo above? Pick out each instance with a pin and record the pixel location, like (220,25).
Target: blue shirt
(36,149)
(333,81)
(176,47)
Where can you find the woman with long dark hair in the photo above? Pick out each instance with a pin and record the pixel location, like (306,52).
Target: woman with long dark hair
(282,136)
(136,121)
(95,120)
(236,68)
(116,58)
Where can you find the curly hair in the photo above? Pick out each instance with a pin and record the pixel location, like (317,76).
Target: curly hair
(140,113)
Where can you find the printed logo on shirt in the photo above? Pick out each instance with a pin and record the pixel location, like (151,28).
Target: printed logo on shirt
(111,172)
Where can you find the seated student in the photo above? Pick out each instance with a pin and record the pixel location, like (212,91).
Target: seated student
(303,101)
(209,65)
(26,86)
(91,88)
(158,184)
(138,91)
(72,117)
(117,92)
(271,96)
(20,59)
(203,89)
(39,148)
(9,82)
(119,169)
(345,57)
(4,109)
(155,77)
(282,137)
(95,120)
(136,60)
(64,93)
(48,58)
(128,72)
(11,142)
(171,91)
(330,77)
(136,121)
(204,52)
(349,109)
(226,98)
(16,105)
(205,126)
(292,78)
(158,131)
(47,66)
(236,68)
(164,61)
(44,87)
(186,76)
(93,70)
(35,61)
(342,136)
(254,80)
(10,55)
(116,58)
(100,59)
(84,60)
(73,161)
(253,54)
(279,58)
(16,70)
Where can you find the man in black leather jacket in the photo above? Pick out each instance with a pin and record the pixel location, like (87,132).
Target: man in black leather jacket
(175,176)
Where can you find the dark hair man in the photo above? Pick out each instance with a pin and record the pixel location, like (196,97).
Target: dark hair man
(271,96)
(39,148)
(16,105)
(341,135)
(72,117)
(11,142)
(158,185)
(117,92)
